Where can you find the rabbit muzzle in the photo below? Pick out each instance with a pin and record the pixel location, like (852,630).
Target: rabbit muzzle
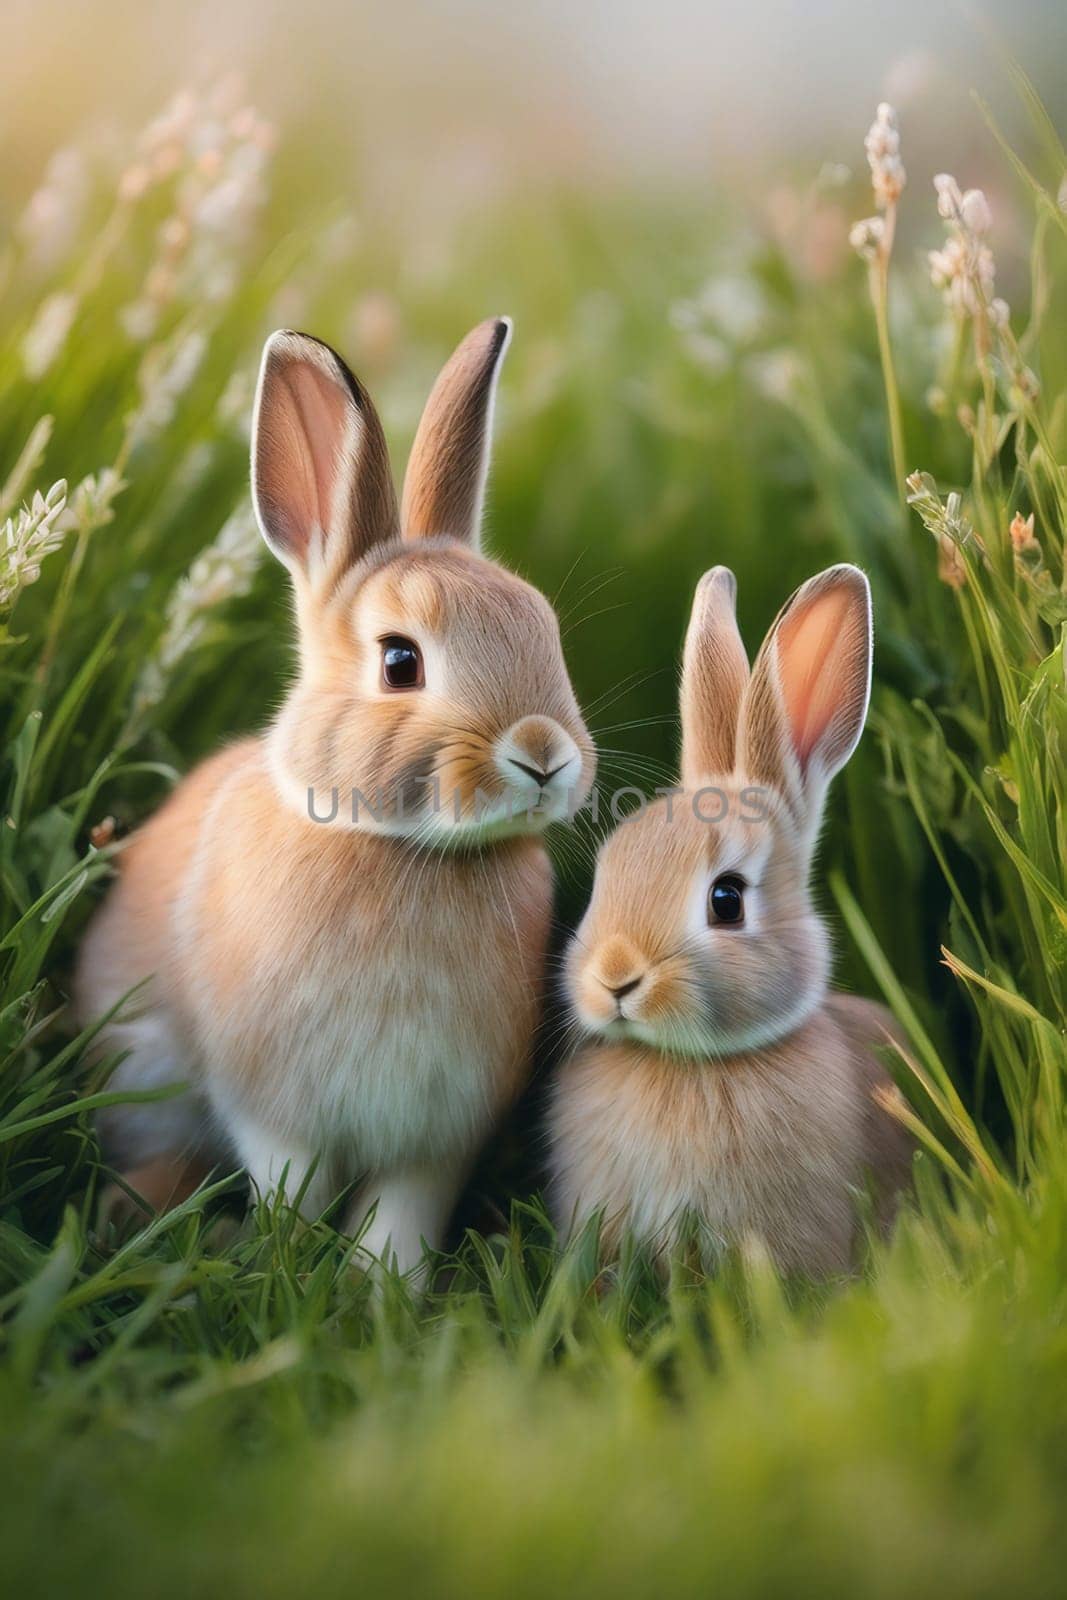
(540,765)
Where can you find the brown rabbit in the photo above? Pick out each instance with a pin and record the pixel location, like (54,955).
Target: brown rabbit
(723,1081)
(344,920)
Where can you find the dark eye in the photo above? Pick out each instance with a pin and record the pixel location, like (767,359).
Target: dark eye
(726,900)
(401,664)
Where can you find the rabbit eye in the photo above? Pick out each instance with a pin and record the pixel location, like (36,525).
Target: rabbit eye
(726,900)
(401,664)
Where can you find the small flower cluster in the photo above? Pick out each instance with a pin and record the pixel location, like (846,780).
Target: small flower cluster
(215,151)
(964,268)
(234,407)
(882,145)
(26,538)
(166,372)
(1021,534)
(210,153)
(873,237)
(1029,561)
(26,467)
(90,504)
(48,332)
(222,572)
(49,227)
(867,237)
(728,311)
(945,520)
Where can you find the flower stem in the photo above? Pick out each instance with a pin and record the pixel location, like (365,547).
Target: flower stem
(879,279)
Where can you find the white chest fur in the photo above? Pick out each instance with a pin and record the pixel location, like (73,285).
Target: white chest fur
(766,1146)
(379,1005)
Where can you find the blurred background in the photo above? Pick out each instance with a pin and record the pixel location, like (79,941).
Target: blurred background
(397,92)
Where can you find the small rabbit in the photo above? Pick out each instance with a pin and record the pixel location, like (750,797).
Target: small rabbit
(343,922)
(724,1081)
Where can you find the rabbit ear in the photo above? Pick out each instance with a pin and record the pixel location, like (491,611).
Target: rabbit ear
(321,483)
(806,702)
(714,675)
(445,482)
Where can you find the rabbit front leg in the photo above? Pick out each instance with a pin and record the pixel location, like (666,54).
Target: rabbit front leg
(277,1161)
(411,1211)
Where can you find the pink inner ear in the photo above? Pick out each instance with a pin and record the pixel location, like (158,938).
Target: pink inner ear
(305,433)
(822,653)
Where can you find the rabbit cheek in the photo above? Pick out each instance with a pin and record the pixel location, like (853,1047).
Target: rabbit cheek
(595,1007)
(414,786)
(468,779)
(669,998)
(385,761)
(765,986)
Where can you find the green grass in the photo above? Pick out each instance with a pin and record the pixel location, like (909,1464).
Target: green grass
(218,1403)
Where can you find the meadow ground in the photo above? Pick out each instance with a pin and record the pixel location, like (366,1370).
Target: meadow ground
(218,1403)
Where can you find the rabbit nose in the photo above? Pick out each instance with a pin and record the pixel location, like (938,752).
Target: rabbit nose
(534,739)
(536,773)
(620,990)
(540,749)
(618,967)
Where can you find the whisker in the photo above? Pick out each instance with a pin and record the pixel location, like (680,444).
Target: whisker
(633,680)
(580,622)
(568,575)
(589,591)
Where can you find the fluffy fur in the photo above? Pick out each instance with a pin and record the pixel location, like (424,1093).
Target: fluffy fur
(722,1081)
(354,995)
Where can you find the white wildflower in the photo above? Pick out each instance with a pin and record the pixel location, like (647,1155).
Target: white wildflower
(736,305)
(872,238)
(222,572)
(215,152)
(51,221)
(47,333)
(974,209)
(90,502)
(163,381)
(729,310)
(707,351)
(174,234)
(173,123)
(946,521)
(949,198)
(882,145)
(140,319)
(27,538)
(867,237)
(226,568)
(185,363)
(234,409)
(776,374)
(25,468)
(964,267)
(134,182)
